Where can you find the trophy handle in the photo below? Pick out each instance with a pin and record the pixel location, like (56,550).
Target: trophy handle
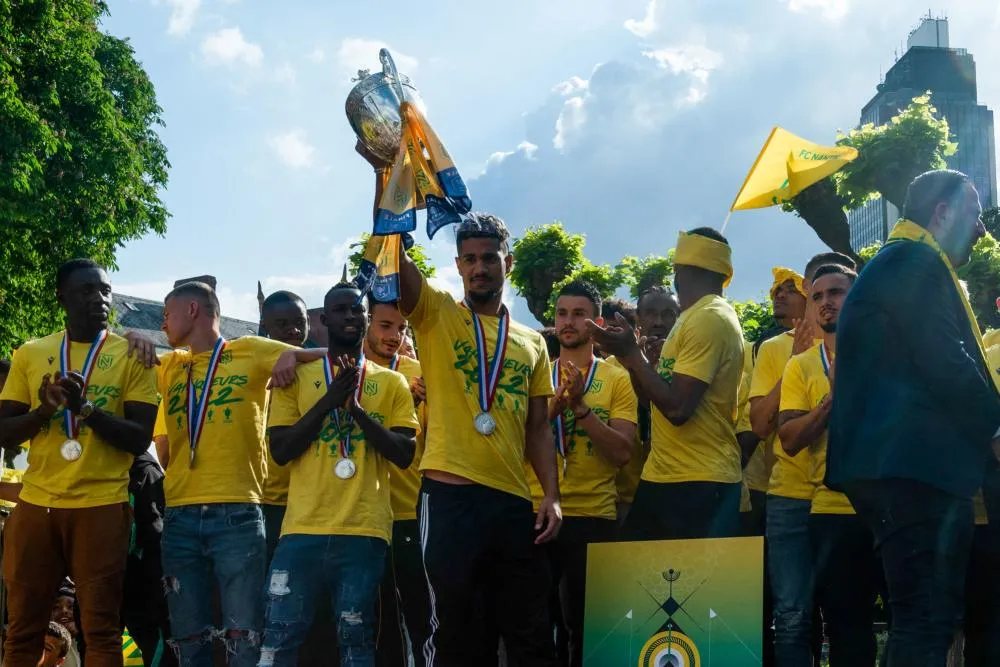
(389,70)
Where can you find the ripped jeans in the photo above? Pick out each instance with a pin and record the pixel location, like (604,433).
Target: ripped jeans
(349,569)
(205,545)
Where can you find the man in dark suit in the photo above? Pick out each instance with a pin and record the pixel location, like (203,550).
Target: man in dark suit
(914,412)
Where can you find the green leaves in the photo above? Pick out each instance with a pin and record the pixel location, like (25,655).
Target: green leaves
(81,164)
(416,253)
(755,317)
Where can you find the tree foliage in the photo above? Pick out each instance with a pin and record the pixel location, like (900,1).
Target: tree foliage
(991,220)
(755,317)
(81,164)
(607,279)
(889,157)
(544,257)
(641,274)
(416,253)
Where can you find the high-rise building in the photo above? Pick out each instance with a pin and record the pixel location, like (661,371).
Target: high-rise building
(950,74)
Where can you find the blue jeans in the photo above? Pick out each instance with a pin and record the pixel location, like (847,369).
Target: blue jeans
(349,569)
(790,568)
(224,541)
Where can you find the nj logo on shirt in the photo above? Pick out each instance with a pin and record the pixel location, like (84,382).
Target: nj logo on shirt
(105,361)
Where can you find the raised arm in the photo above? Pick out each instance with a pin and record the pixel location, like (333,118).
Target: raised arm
(287,443)
(798,429)
(131,433)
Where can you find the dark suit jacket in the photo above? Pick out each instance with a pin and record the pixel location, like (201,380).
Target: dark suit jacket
(912,398)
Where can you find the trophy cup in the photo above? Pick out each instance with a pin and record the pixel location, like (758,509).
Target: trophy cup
(373,107)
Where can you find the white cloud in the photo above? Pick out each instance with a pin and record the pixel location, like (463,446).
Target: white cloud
(569,123)
(317,55)
(692,59)
(645,26)
(446,277)
(227,45)
(526,147)
(182,15)
(572,85)
(831,10)
(285,74)
(293,148)
(360,53)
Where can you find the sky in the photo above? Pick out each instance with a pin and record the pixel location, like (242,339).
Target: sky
(628,120)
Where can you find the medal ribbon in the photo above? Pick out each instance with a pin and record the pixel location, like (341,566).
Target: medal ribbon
(825,358)
(70,422)
(345,441)
(197,406)
(489,379)
(394,362)
(559,423)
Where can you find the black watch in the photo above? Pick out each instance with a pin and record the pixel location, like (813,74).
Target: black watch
(86,410)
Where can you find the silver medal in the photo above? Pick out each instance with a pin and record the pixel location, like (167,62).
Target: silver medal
(485,424)
(71,450)
(345,469)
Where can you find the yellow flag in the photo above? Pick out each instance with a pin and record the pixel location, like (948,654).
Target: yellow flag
(786,166)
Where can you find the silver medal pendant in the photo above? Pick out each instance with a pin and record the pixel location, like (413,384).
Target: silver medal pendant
(71,450)
(345,469)
(485,424)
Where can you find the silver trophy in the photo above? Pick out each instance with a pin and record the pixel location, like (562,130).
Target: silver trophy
(373,107)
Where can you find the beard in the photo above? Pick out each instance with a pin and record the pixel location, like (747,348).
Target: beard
(575,343)
(829,328)
(481,297)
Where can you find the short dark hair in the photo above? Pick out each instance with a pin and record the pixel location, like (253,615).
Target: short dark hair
(342,285)
(203,292)
(613,305)
(67,269)
(584,289)
(835,269)
(709,233)
(653,290)
(829,258)
(61,633)
(281,297)
(483,226)
(4,366)
(928,190)
(372,302)
(552,345)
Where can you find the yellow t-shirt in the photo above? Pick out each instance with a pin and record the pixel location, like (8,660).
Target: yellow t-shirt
(587,482)
(758,469)
(803,387)
(627,479)
(319,502)
(100,475)
(230,462)
(447,344)
(706,343)
(404,485)
(789,476)
(10,476)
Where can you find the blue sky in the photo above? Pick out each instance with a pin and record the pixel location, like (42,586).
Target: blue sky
(626,119)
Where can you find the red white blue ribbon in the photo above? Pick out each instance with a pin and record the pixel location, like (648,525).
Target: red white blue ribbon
(559,423)
(489,369)
(824,357)
(345,440)
(70,422)
(394,362)
(197,406)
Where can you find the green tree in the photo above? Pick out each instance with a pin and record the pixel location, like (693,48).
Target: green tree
(81,164)
(641,274)
(543,257)
(416,253)
(755,317)
(889,156)
(991,220)
(607,279)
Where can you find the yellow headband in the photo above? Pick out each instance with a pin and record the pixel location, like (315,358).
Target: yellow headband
(705,253)
(783,275)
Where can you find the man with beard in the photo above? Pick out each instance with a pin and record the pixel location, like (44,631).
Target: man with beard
(593,414)
(88,409)
(338,426)
(690,486)
(914,411)
(489,381)
(403,598)
(846,570)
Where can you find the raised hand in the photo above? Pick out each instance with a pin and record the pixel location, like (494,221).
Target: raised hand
(804,335)
(617,338)
(51,395)
(74,390)
(419,390)
(340,393)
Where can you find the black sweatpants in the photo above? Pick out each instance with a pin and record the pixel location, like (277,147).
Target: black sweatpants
(479,542)
(567,557)
(848,580)
(683,511)
(404,603)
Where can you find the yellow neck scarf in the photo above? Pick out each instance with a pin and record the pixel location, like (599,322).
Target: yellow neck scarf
(705,253)
(905,230)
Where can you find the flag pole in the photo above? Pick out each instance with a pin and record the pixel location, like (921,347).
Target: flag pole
(726,222)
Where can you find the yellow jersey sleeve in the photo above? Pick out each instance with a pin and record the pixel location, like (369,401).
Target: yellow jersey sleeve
(160,425)
(428,305)
(771,359)
(403,414)
(140,384)
(284,406)
(794,390)
(17,389)
(266,351)
(541,373)
(624,404)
